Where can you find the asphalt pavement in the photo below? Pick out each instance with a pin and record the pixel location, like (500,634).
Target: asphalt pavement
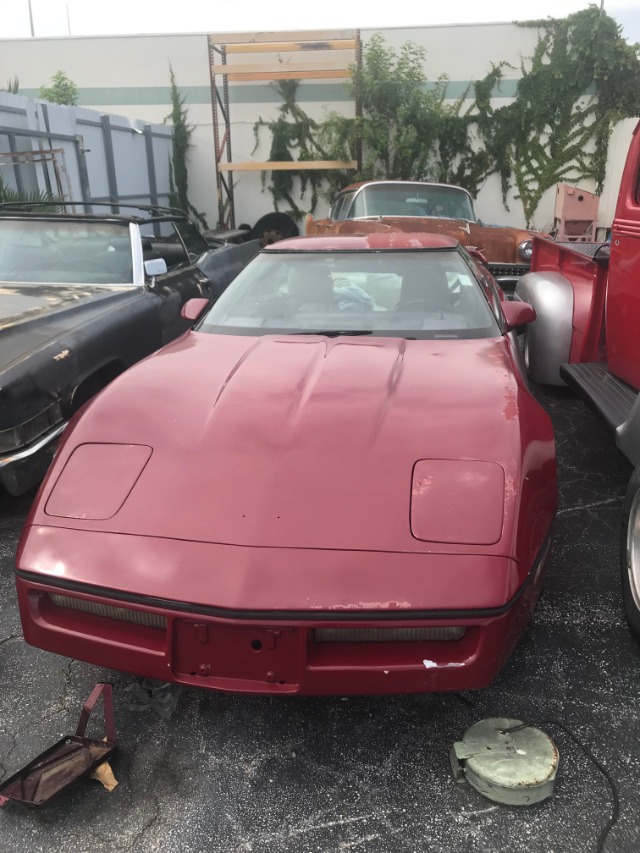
(234,774)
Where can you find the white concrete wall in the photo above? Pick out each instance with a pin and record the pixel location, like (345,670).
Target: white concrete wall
(129,76)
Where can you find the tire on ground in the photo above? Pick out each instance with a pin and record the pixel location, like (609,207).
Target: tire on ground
(272,228)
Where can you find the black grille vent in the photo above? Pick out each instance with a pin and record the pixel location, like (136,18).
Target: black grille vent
(511,270)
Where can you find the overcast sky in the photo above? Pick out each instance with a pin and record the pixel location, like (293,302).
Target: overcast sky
(91,17)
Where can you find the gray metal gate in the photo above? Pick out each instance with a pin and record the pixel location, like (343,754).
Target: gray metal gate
(82,155)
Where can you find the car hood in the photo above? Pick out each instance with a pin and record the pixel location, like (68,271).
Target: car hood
(290,441)
(34,315)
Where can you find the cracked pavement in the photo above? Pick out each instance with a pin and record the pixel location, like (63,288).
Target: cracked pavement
(234,774)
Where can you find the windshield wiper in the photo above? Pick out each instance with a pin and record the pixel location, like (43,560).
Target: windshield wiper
(333,333)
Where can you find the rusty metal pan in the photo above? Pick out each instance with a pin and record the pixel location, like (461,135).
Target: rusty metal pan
(67,761)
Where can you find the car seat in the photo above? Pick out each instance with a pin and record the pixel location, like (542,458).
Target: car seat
(310,288)
(426,285)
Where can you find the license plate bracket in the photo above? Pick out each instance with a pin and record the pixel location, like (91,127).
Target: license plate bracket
(222,651)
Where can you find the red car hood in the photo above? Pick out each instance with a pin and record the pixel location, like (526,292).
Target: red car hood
(307,442)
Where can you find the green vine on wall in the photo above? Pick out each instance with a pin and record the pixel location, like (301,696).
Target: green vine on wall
(292,132)
(582,78)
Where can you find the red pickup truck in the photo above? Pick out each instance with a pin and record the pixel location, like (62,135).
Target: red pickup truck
(587,335)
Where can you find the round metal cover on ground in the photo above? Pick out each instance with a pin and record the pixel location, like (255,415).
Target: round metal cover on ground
(507,761)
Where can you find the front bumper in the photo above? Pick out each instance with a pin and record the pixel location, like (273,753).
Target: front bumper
(270,651)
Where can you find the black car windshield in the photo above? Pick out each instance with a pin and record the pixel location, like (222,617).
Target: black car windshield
(408,199)
(413,294)
(65,252)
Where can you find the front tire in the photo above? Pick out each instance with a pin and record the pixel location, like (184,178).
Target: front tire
(630,554)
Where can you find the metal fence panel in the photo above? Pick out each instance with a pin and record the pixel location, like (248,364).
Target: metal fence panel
(81,154)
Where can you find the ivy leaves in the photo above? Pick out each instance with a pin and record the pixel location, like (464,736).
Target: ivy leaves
(292,130)
(582,78)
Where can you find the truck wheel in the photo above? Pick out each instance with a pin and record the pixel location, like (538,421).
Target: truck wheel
(272,228)
(630,554)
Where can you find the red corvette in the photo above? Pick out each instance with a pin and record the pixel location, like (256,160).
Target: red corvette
(338,483)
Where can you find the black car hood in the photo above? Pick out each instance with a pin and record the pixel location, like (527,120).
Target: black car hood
(32,315)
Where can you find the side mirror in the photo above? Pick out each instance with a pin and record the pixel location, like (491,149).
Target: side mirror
(517,313)
(194,308)
(154,267)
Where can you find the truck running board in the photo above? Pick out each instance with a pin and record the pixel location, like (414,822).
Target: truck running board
(611,398)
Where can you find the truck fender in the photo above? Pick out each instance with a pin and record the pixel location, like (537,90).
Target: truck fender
(547,341)
(630,554)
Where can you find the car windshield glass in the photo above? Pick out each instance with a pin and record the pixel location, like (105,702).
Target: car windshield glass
(413,294)
(65,252)
(414,200)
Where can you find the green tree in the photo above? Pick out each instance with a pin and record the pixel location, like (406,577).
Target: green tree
(62,90)
(402,115)
(178,166)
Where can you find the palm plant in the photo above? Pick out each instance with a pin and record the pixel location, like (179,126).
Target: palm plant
(13,86)
(24,199)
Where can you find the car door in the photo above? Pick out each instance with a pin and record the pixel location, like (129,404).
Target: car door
(183,280)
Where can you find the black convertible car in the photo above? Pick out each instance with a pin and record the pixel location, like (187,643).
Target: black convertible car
(82,297)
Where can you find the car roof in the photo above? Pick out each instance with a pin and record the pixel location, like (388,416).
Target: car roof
(380,181)
(394,240)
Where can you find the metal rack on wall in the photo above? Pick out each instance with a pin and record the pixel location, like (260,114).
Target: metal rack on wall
(49,160)
(316,42)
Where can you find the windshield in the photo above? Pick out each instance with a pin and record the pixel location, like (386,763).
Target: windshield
(413,200)
(413,294)
(65,252)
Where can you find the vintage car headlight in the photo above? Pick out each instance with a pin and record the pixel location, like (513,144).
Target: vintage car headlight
(526,249)
(8,440)
(25,433)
